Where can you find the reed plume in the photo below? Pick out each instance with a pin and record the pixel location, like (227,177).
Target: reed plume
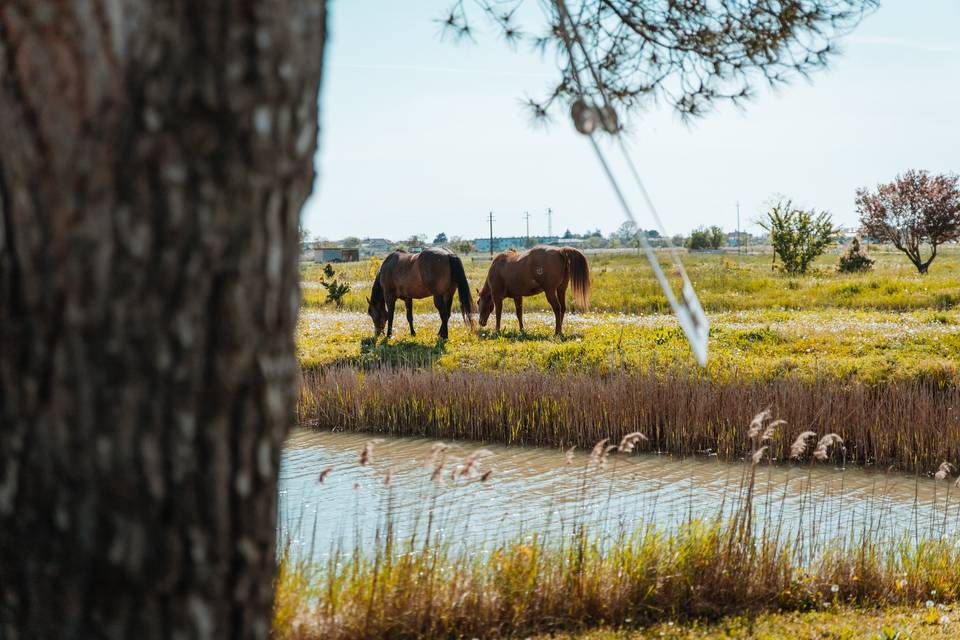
(799,446)
(758,454)
(473,461)
(756,425)
(598,455)
(366,454)
(945,471)
(629,441)
(771,430)
(822,452)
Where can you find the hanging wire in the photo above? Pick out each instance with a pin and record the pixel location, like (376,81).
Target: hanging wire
(687,308)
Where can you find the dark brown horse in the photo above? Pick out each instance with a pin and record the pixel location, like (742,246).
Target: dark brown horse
(547,269)
(405,276)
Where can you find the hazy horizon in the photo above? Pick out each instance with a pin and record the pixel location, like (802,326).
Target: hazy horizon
(421,136)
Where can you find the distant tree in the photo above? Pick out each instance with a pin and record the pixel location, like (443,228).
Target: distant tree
(678,240)
(626,234)
(417,240)
(717,237)
(440,239)
(350,242)
(798,236)
(567,234)
(460,245)
(699,240)
(653,233)
(854,259)
(529,242)
(913,210)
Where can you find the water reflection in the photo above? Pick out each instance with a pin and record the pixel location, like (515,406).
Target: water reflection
(535,491)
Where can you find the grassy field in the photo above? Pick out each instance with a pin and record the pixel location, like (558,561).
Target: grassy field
(724,282)
(872,357)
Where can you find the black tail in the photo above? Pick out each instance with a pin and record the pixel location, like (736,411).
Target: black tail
(463,290)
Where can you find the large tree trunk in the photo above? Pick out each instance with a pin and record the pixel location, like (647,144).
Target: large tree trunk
(154,157)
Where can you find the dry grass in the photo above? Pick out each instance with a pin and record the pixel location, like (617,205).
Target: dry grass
(907,425)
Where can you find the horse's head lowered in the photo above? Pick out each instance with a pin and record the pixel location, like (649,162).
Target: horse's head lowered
(484,304)
(378,313)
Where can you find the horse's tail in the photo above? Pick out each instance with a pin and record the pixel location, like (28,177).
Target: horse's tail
(579,276)
(463,290)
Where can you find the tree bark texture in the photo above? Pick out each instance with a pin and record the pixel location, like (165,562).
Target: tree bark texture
(154,156)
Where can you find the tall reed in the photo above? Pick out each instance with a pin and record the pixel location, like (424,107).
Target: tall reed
(910,426)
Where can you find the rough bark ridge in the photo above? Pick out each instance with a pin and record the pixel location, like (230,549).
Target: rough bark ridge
(154,157)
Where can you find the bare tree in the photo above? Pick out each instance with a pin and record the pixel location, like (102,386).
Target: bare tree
(626,53)
(913,210)
(154,157)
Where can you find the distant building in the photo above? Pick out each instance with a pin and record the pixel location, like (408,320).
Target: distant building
(336,254)
(376,245)
(567,242)
(511,242)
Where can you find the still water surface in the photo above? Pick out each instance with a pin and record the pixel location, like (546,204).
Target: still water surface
(535,491)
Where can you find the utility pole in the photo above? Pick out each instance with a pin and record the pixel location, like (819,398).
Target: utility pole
(739,237)
(526,214)
(491,233)
(550,223)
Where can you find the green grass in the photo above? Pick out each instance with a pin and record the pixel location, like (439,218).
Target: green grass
(759,345)
(838,623)
(724,282)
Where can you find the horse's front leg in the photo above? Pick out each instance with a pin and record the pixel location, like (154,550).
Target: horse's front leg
(518,302)
(391,307)
(498,309)
(408,303)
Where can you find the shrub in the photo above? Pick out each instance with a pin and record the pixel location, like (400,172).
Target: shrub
(854,260)
(798,236)
(335,290)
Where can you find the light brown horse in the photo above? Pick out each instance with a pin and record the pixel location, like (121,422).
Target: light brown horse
(547,269)
(405,276)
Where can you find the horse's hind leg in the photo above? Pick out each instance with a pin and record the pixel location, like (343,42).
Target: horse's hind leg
(444,310)
(555,305)
(408,303)
(518,303)
(562,297)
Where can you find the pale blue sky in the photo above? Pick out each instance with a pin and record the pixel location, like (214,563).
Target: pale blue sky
(421,135)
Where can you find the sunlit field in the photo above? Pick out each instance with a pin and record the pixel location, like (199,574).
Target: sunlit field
(870,357)
(624,283)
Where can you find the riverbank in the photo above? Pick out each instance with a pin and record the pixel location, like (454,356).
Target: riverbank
(422,568)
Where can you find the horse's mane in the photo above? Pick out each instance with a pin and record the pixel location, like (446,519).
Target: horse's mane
(376,296)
